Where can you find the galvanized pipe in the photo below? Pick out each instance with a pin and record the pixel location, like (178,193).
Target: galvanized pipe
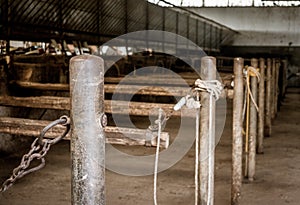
(237,135)
(87,138)
(253,124)
(207,117)
(268,102)
(261,104)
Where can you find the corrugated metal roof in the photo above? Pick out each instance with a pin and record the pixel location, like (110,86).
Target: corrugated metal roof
(90,20)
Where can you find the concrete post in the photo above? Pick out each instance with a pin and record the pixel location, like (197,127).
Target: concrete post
(268,102)
(261,104)
(253,124)
(88,121)
(237,136)
(207,127)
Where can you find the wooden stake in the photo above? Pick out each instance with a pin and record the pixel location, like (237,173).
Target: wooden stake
(261,104)
(253,124)
(273,88)
(268,102)
(237,136)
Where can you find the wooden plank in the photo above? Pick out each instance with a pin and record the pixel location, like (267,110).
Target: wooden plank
(41,86)
(162,80)
(120,89)
(116,107)
(110,88)
(114,135)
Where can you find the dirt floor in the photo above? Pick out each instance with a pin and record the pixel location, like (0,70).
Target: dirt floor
(277,179)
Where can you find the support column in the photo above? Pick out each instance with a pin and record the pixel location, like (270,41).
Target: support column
(207,134)
(268,102)
(88,121)
(261,104)
(253,124)
(237,136)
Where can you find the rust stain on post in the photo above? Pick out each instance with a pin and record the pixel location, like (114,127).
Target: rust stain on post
(261,104)
(87,139)
(237,136)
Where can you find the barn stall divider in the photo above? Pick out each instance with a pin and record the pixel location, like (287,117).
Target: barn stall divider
(30,127)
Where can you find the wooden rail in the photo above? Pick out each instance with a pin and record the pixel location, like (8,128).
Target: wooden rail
(116,107)
(114,135)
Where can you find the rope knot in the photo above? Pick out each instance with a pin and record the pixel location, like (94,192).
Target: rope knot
(214,87)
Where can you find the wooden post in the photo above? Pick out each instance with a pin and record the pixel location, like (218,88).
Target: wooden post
(237,136)
(268,102)
(277,68)
(261,104)
(207,156)
(253,124)
(87,138)
(273,88)
(284,77)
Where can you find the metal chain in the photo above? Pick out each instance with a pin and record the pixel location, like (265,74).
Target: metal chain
(39,149)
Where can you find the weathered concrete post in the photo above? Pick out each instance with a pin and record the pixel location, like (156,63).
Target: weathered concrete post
(273,88)
(268,102)
(261,104)
(237,135)
(253,124)
(88,121)
(207,155)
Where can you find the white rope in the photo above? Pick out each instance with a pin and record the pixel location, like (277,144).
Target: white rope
(213,87)
(158,122)
(257,74)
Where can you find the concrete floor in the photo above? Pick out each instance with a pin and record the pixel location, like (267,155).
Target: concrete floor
(276,183)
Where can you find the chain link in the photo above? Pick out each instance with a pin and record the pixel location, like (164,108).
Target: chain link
(39,148)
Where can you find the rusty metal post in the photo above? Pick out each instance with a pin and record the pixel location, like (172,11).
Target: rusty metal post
(88,121)
(208,72)
(253,124)
(273,88)
(261,104)
(237,135)
(268,102)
